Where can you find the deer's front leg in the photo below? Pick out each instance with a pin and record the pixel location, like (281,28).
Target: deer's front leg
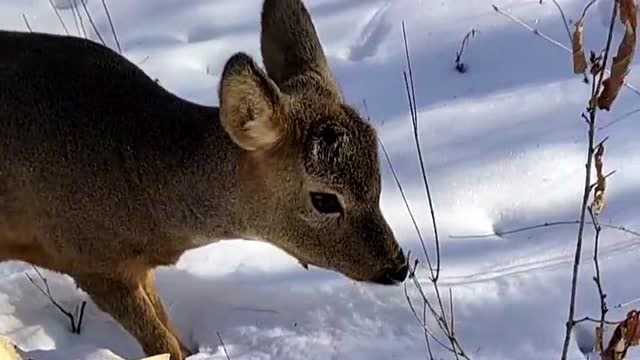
(127,301)
(149,285)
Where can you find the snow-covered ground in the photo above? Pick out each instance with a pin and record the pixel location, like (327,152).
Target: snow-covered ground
(504,145)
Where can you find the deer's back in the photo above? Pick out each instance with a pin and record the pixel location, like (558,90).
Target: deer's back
(87,140)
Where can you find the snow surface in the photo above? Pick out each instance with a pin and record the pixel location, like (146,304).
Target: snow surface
(504,146)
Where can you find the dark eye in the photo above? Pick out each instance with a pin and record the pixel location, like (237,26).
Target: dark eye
(326,203)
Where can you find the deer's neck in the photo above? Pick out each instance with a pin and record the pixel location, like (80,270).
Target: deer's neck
(200,189)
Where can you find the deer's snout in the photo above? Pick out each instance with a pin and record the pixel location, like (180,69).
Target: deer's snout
(393,275)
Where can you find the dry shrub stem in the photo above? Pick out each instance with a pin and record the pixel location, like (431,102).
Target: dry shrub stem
(549,39)
(224,347)
(57,12)
(433,308)
(592,110)
(77,12)
(564,17)
(543,225)
(411,94)
(26,23)
(75,19)
(76,325)
(92,23)
(597,278)
(461,67)
(113,28)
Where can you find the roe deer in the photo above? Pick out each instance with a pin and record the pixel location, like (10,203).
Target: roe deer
(105,175)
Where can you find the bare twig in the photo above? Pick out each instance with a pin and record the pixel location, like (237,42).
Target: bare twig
(520,22)
(423,324)
(431,309)
(597,321)
(564,18)
(412,271)
(92,23)
(224,348)
(592,110)
(597,278)
(549,39)
(627,303)
(460,66)
(586,8)
(55,9)
(404,197)
(76,326)
(543,225)
(26,22)
(619,118)
(75,19)
(79,14)
(113,28)
(416,135)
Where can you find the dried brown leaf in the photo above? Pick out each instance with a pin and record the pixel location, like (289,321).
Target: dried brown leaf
(601,184)
(579,56)
(626,334)
(628,12)
(622,61)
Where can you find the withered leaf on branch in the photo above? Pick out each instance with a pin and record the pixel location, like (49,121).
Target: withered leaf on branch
(601,184)
(622,61)
(579,57)
(628,12)
(599,339)
(626,335)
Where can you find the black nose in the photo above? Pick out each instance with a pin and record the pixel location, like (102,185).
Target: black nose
(400,274)
(392,276)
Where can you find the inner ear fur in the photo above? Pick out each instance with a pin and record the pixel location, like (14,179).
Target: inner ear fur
(251,105)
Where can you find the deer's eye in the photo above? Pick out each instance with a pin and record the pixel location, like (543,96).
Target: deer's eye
(326,203)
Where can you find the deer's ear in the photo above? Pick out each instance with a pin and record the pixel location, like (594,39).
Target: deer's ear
(291,48)
(251,105)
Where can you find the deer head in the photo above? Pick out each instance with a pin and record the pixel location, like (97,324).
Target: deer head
(310,170)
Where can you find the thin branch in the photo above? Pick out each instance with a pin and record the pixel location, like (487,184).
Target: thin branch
(597,321)
(593,110)
(75,19)
(426,335)
(92,23)
(586,8)
(520,22)
(80,21)
(80,314)
(543,225)
(417,317)
(460,66)
(416,134)
(46,291)
(606,176)
(564,19)
(55,9)
(619,118)
(26,22)
(628,303)
(224,348)
(453,322)
(549,39)
(113,29)
(438,314)
(597,278)
(404,199)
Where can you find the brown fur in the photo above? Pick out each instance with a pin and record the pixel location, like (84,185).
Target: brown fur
(105,175)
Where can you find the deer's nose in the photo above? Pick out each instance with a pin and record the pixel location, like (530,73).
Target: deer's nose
(392,276)
(400,274)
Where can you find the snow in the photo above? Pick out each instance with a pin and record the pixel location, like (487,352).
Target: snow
(504,145)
